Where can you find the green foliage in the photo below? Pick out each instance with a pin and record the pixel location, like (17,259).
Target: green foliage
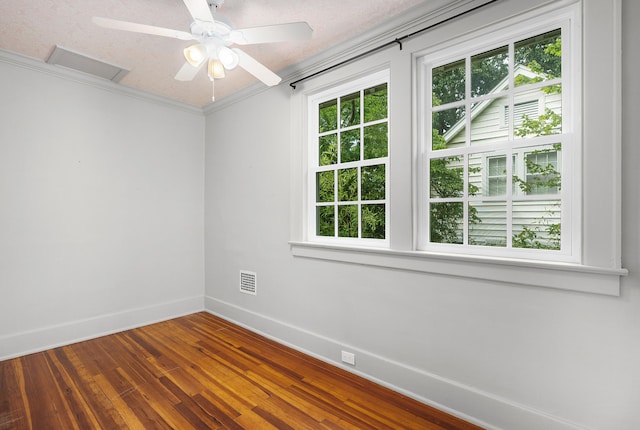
(546,124)
(348,221)
(328,116)
(488,70)
(335,115)
(542,54)
(373,221)
(542,176)
(541,235)
(328,147)
(446,222)
(325,221)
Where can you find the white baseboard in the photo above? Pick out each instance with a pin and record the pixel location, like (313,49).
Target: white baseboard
(28,342)
(474,405)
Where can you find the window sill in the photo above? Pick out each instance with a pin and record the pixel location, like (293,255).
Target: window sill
(564,276)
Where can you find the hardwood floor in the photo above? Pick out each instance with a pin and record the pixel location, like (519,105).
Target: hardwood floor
(201,372)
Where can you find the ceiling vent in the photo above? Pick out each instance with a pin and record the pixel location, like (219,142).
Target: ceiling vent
(248,284)
(74,60)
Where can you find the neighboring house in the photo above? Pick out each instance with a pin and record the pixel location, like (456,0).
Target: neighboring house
(535,170)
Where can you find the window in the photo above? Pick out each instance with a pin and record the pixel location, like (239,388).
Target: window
(348,161)
(510,175)
(496,176)
(492,177)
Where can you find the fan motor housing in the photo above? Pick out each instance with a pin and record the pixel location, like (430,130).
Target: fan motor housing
(202,29)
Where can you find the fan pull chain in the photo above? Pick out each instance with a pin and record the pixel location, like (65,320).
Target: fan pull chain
(213,90)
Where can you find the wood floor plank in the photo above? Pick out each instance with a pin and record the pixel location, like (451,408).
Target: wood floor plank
(198,372)
(13,414)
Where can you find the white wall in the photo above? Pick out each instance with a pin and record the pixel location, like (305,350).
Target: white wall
(101,219)
(507,356)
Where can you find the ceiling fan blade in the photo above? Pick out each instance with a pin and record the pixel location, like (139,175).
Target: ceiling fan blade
(199,10)
(141,28)
(256,68)
(187,72)
(272,33)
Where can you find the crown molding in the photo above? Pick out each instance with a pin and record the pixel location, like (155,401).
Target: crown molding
(30,63)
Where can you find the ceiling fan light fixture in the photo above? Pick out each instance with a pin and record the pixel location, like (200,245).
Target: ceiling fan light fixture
(196,54)
(215,69)
(228,58)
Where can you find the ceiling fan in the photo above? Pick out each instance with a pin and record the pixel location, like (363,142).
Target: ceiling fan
(214,39)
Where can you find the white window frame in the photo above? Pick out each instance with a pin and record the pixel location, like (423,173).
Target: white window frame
(314,101)
(566,20)
(599,129)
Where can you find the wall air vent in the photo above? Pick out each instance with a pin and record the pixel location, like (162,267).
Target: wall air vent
(248,283)
(74,60)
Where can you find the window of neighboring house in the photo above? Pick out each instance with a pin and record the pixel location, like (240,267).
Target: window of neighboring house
(541,169)
(542,172)
(486,105)
(496,175)
(348,159)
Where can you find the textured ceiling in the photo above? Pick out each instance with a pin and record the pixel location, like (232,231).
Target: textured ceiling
(32,28)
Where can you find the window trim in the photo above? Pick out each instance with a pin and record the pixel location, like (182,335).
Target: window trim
(562,276)
(600,270)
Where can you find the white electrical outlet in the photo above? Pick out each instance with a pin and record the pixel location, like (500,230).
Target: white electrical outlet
(349,358)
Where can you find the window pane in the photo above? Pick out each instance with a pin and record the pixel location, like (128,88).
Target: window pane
(348,221)
(373,182)
(448,83)
(350,146)
(373,221)
(488,223)
(538,58)
(325,218)
(375,141)
(328,149)
(446,177)
(487,123)
(536,224)
(489,71)
(547,123)
(448,128)
(325,186)
(375,103)
(350,110)
(542,171)
(348,185)
(543,175)
(446,222)
(328,113)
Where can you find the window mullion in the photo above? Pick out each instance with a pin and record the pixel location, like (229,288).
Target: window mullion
(509,153)
(465,156)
